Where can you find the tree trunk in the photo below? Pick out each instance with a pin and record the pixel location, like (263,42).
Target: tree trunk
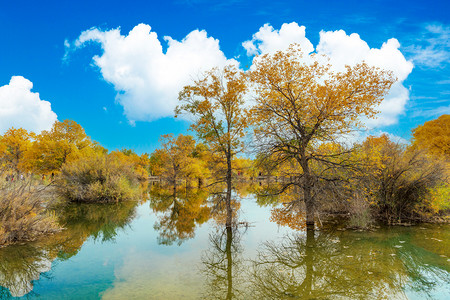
(309,203)
(228,193)
(229,263)
(309,261)
(175,184)
(307,192)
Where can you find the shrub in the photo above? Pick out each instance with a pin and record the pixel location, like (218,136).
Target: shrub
(98,178)
(23,212)
(437,202)
(360,214)
(398,180)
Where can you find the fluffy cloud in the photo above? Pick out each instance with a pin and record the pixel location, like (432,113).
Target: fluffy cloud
(343,49)
(269,40)
(146,78)
(19,107)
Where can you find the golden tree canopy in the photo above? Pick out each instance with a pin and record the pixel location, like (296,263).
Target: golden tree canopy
(51,149)
(302,103)
(13,146)
(300,97)
(434,136)
(216,101)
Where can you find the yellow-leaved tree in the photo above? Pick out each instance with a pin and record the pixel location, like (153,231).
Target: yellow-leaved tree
(176,159)
(216,102)
(14,144)
(301,102)
(434,136)
(51,149)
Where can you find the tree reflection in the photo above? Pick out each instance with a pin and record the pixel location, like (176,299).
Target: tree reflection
(20,265)
(223,265)
(179,213)
(100,221)
(328,265)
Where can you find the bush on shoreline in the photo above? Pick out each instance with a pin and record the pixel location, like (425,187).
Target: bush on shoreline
(398,184)
(98,178)
(23,212)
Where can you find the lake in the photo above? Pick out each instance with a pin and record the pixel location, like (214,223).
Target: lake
(166,249)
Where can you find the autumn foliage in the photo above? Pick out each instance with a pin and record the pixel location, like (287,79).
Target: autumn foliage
(22,214)
(301,103)
(99,178)
(300,111)
(434,136)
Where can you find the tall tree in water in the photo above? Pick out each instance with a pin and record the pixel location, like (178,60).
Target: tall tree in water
(302,103)
(220,119)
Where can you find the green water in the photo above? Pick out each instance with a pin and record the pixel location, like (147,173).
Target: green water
(166,249)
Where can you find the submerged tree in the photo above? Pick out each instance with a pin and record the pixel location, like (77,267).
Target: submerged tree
(220,118)
(302,103)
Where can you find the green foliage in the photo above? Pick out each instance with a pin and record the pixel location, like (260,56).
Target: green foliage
(439,200)
(99,178)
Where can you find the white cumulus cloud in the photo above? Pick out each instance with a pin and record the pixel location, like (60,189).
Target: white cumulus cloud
(342,50)
(270,40)
(146,78)
(19,107)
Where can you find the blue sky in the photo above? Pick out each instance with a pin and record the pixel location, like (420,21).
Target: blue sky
(42,41)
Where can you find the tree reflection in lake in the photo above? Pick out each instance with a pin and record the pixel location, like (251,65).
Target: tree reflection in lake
(325,265)
(100,221)
(179,212)
(223,265)
(20,265)
(277,258)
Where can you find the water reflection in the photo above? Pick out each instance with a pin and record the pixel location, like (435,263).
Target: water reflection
(100,221)
(274,258)
(20,265)
(223,264)
(179,212)
(329,265)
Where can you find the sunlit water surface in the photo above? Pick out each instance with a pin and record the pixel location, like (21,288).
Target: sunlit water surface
(153,251)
